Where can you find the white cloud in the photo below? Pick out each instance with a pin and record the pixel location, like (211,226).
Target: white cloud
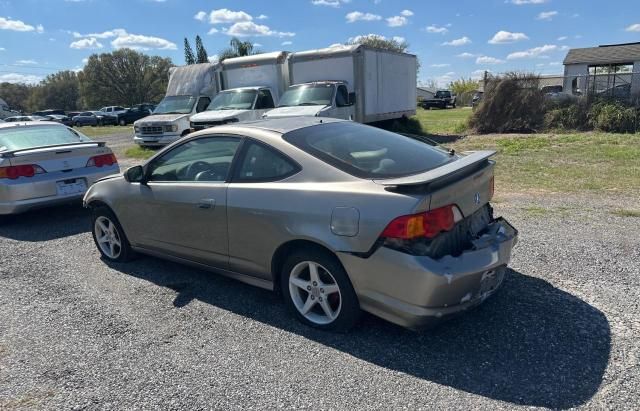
(212,30)
(26,62)
(534,52)
(523,2)
(360,16)
(437,29)
(397,21)
(2,49)
(504,37)
(249,28)
(262,17)
(458,42)
(228,16)
(286,43)
(104,35)
(215,58)
(201,15)
(488,60)
(399,39)
(141,42)
(330,3)
(440,65)
(40,28)
(406,13)
(562,38)
(18,25)
(555,63)
(633,28)
(89,43)
(257,44)
(547,15)
(19,78)
(466,55)
(85,60)
(479,74)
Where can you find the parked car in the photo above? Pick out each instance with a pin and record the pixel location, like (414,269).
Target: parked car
(442,99)
(477,98)
(45,163)
(19,119)
(45,113)
(621,91)
(340,216)
(62,119)
(132,114)
(93,118)
(113,110)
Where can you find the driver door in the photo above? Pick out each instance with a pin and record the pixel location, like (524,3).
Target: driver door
(182,209)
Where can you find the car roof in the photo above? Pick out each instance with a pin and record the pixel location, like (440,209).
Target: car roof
(287,124)
(30,124)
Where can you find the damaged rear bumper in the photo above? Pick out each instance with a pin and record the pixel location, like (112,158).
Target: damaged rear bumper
(416,291)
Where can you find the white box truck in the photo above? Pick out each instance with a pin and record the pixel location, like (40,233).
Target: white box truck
(252,86)
(350,82)
(191,88)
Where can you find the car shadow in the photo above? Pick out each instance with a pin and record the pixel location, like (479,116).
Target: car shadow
(531,344)
(46,223)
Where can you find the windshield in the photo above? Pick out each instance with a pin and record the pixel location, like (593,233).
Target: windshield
(19,138)
(443,94)
(308,95)
(233,100)
(368,152)
(176,105)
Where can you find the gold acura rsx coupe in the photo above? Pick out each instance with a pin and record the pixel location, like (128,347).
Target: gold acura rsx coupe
(338,216)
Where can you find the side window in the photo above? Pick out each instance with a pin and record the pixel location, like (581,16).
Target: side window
(203,103)
(261,163)
(203,159)
(264,100)
(342,97)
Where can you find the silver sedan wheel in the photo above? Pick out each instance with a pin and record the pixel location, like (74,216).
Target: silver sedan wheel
(107,237)
(315,292)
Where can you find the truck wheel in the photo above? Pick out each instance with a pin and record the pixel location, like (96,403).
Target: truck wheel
(123,122)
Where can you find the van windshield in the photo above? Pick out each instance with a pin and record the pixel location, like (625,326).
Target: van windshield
(233,100)
(176,105)
(308,95)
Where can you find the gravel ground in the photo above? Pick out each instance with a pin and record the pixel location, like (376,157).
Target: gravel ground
(75,333)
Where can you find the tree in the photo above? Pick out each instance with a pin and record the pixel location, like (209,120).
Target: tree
(124,77)
(464,89)
(380,42)
(188,53)
(237,48)
(58,91)
(16,95)
(201,53)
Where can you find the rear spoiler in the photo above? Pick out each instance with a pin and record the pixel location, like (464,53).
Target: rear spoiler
(459,166)
(12,153)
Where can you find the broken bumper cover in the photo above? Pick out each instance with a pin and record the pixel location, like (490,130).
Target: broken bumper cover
(416,291)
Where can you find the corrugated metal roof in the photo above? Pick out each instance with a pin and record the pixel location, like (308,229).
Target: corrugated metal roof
(616,53)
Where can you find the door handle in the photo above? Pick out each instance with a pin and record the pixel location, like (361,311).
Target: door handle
(207,203)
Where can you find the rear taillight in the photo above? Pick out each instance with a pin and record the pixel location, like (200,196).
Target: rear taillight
(14,172)
(423,225)
(102,160)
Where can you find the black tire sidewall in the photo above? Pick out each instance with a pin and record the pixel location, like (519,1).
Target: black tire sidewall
(350,311)
(126,253)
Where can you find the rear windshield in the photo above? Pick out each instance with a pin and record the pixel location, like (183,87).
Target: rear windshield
(368,152)
(18,138)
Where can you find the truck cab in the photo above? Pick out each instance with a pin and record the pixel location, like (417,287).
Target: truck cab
(235,105)
(169,121)
(318,98)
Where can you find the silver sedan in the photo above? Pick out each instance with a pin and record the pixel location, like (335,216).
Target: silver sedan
(44,163)
(339,217)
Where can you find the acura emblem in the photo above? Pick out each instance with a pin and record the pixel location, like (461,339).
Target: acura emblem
(476,198)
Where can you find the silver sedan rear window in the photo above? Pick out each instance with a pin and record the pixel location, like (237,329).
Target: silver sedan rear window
(22,137)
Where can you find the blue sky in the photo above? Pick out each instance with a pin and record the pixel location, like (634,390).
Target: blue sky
(453,39)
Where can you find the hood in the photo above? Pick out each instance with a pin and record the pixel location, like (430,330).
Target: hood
(161,118)
(217,115)
(294,111)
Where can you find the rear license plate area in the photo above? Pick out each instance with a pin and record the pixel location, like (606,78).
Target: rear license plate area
(71,186)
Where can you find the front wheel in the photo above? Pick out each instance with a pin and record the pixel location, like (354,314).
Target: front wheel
(123,122)
(318,291)
(109,236)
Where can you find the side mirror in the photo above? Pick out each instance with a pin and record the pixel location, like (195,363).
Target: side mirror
(352,98)
(135,174)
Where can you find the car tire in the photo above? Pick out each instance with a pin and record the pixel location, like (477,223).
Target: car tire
(325,300)
(105,224)
(122,122)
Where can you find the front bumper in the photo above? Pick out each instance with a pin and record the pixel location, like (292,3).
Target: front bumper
(155,140)
(21,195)
(417,291)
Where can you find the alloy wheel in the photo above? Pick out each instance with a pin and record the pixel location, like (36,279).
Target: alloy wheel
(107,237)
(315,292)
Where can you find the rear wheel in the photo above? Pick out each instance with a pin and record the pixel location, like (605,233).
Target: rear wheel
(318,291)
(123,122)
(109,236)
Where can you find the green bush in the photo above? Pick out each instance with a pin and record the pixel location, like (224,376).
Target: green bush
(614,117)
(512,103)
(574,116)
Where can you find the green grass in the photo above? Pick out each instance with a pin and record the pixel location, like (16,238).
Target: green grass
(444,122)
(138,152)
(598,162)
(626,213)
(104,130)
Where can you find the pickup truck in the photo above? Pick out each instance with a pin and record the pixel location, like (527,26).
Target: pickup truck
(442,99)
